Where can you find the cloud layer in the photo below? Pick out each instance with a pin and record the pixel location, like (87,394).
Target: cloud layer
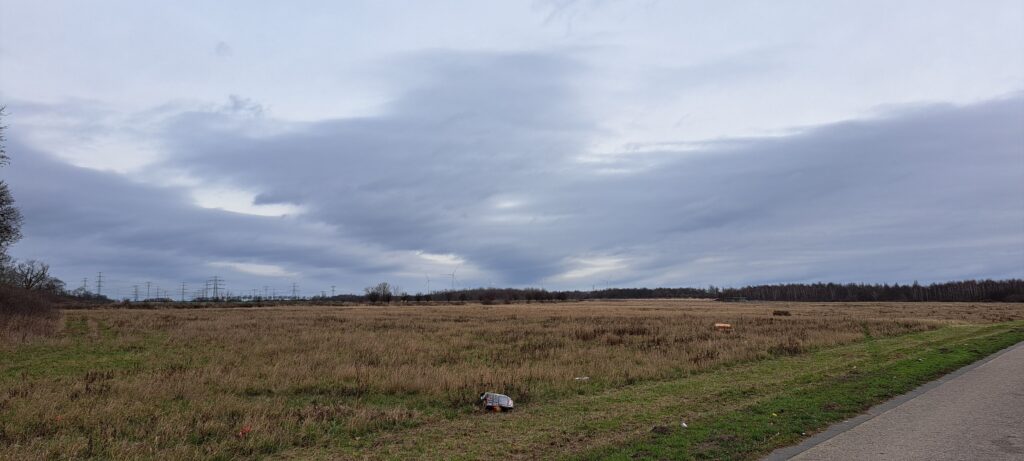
(485,163)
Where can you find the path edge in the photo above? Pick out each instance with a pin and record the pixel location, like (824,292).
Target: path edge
(785,453)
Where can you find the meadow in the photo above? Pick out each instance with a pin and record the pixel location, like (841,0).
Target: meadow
(400,382)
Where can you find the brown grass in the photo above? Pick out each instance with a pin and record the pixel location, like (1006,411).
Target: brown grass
(25,315)
(245,382)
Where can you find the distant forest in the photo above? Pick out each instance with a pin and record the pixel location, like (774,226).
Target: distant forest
(968,290)
(1011,290)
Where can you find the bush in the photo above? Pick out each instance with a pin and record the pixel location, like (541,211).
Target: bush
(781,313)
(25,313)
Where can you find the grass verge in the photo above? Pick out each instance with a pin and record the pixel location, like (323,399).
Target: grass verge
(729,409)
(785,419)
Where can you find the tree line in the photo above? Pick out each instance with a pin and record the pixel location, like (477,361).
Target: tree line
(1010,290)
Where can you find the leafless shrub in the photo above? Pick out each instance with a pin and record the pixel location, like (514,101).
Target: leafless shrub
(25,314)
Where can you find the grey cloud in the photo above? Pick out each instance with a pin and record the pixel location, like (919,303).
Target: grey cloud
(476,126)
(477,159)
(84,221)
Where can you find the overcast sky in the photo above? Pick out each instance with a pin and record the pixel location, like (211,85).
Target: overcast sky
(563,144)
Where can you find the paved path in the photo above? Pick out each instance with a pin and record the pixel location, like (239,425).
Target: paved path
(974,414)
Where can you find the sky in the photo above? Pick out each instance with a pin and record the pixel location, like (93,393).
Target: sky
(558,144)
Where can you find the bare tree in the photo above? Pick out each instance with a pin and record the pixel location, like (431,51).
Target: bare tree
(3,150)
(31,275)
(10,217)
(382,292)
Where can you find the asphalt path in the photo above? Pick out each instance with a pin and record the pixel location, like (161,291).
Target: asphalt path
(976,413)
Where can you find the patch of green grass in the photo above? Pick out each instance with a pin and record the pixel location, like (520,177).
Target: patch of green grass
(82,349)
(784,419)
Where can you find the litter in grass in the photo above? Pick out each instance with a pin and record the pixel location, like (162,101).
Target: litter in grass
(582,378)
(723,327)
(496,402)
(683,424)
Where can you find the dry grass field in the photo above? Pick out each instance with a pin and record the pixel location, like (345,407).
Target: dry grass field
(368,381)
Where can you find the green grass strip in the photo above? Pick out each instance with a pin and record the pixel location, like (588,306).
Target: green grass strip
(784,419)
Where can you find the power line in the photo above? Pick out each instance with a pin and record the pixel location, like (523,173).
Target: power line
(99,284)
(216,286)
(452,275)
